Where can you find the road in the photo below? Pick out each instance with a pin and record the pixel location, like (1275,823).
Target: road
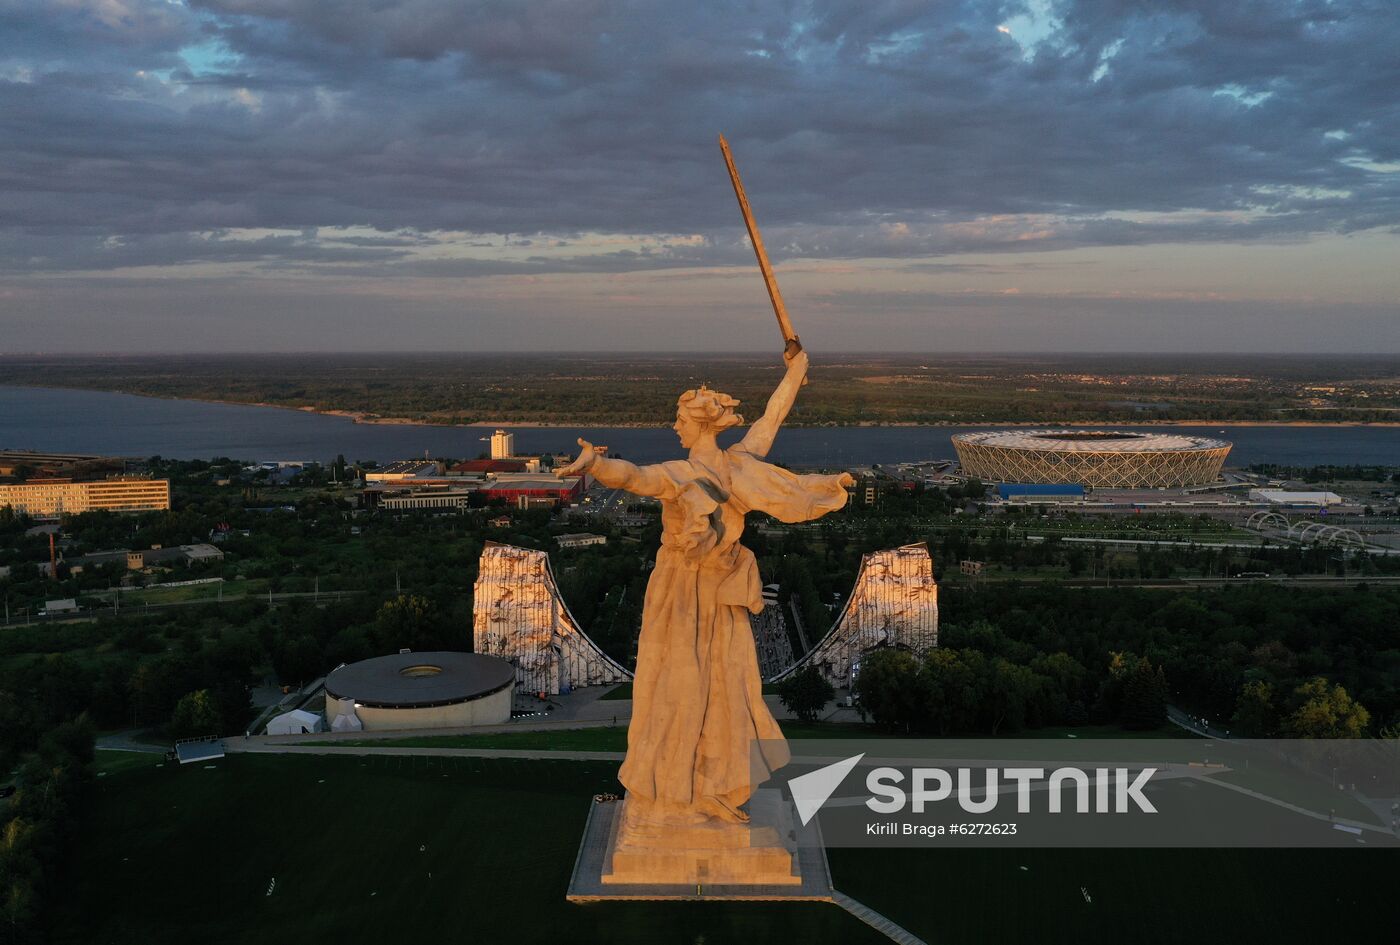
(92,613)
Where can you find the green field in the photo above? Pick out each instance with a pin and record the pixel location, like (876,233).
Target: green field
(959,896)
(369,849)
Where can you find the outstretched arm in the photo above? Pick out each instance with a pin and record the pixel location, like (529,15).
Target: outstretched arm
(759,440)
(618,473)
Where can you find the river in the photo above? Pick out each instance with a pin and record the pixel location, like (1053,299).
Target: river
(82,421)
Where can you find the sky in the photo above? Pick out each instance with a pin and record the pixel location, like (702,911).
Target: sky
(408,175)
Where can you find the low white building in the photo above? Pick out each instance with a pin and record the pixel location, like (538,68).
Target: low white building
(580,540)
(295,722)
(1296,499)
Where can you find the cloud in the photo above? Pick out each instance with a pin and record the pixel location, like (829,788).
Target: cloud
(866,129)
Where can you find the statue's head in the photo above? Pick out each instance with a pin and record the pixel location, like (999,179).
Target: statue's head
(704,411)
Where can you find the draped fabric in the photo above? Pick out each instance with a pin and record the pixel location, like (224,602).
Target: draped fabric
(696,636)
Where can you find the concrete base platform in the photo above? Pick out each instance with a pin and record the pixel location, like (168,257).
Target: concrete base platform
(596,877)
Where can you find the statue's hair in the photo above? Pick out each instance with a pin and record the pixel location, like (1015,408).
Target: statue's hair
(710,408)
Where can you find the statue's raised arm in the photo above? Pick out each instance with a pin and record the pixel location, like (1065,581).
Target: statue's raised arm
(759,440)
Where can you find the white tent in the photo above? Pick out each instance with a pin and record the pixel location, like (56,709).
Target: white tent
(347,722)
(295,722)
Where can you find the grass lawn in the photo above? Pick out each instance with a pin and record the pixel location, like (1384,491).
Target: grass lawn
(412,849)
(107,763)
(1133,895)
(371,850)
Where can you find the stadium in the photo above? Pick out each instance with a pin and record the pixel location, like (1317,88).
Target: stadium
(419,690)
(1109,459)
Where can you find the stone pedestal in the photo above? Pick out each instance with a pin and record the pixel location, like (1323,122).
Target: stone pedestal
(773,857)
(761,852)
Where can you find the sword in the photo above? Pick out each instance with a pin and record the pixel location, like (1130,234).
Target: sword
(784,324)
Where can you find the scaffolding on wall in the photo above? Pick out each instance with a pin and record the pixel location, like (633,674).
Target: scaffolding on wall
(894,603)
(519,616)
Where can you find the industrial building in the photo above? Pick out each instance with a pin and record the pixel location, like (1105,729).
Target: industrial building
(32,464)
(1096,458)
(483,466)
(149,557)
(513,487)
(52,498)
(419,690)
(413,469)
(451,499)
(580,540)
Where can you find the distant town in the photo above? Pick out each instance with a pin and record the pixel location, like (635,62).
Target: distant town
(1101,482)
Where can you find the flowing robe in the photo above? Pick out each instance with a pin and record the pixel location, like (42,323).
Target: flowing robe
(697,697)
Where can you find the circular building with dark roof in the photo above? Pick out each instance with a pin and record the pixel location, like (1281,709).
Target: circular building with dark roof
(419,690)
(1108,459)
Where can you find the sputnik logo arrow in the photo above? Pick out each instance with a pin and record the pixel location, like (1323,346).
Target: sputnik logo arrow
(811,790)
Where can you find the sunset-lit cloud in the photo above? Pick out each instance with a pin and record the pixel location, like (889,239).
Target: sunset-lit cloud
(492,174)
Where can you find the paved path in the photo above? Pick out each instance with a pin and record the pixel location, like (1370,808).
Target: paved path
(1326,818)
(262,747)
(1378,806)
(891,930)
(126,741)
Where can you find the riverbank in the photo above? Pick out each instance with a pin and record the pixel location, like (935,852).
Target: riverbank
(80,420)
(373,419)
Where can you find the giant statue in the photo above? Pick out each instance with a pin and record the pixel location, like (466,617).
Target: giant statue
(698,714)
(697,699)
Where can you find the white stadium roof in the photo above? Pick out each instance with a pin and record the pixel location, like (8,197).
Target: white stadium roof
(1090,441)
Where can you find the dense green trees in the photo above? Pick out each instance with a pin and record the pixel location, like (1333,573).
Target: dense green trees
(1208,643)
(806,693)
(38,825)
(196,714)
(1255,716)
(963,691)
(408,622)
(1323,710)
(1144,696)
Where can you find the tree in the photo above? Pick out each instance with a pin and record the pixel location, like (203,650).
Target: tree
(1255,715)
(887,688)
(406,621)
(949,691)
(196,714)
(1144,697)
(1066,679)
(1010,691)
(806,693)
(1325,711)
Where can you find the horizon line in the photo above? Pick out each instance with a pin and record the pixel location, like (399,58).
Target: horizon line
(746,353)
